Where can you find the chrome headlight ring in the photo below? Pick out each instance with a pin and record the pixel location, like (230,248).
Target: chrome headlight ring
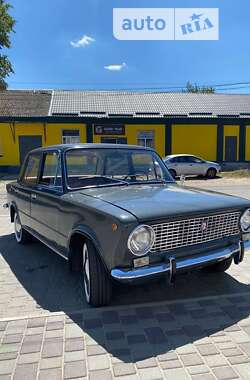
(245,220)
(141,240)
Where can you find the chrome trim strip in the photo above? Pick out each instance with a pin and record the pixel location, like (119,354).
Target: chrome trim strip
(185,263)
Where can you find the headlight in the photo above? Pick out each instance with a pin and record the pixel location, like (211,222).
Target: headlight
(141,240)
(245,220)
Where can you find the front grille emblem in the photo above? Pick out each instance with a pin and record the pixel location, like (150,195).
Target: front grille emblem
(204,226)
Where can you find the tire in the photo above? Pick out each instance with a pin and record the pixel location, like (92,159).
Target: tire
(96,281)
(22,236)
(211,173)
(173,173)
(221,266)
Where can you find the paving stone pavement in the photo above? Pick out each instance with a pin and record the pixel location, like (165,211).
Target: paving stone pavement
(179,340)
(198,329)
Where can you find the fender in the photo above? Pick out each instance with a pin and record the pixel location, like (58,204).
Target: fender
(88,233)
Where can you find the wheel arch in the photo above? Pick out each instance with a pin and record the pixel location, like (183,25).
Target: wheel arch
(83,233)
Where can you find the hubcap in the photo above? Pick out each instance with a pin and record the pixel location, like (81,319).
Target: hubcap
(211,173)
(18,228)
(86,271)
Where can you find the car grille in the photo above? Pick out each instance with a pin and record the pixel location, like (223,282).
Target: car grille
(182,233)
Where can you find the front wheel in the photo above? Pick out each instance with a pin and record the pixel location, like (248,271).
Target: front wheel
(22,236)
(211,173)
(97,284)
(221,266)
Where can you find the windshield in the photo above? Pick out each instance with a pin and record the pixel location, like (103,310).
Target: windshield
(106,167)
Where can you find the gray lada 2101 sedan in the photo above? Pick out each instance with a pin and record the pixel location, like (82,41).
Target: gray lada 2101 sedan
(116,214)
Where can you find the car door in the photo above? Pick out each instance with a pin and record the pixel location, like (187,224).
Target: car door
(45,200)
(182,165)
(196,165)
(23,188)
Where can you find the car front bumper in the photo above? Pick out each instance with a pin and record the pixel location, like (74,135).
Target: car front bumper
(175,265)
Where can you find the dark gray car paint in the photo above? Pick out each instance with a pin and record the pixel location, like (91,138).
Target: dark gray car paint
(93,211)
(153,202)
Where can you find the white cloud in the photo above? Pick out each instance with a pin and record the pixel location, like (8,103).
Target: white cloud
(84,41)
(115,67)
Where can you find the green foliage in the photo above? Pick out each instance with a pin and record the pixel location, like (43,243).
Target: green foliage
(6,27)
(194,88)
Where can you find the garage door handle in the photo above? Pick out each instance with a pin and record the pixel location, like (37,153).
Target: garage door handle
(33,196)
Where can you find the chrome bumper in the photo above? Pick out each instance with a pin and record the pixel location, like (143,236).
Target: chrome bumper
(127,275)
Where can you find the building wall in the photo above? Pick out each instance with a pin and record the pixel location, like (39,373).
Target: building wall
(10,140)
(131,133)
(51,134)
(197,139)
(247,143)
(54,132)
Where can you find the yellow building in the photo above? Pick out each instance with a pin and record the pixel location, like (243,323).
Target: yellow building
(215,127)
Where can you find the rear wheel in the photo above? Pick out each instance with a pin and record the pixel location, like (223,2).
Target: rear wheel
(97,284)
(211,173)
(22,236)
(221,266)
(172,172)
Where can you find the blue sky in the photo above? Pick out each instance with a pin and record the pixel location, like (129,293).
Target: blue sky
(44,56)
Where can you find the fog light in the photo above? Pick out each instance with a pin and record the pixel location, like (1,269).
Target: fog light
(141,262)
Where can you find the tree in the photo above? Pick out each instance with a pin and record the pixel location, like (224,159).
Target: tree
(6,27)
(194,88)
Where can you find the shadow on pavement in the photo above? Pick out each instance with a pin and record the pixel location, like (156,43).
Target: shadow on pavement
(132,331)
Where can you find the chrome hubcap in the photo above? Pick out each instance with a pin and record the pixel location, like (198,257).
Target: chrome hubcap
(86,271)
(18,228)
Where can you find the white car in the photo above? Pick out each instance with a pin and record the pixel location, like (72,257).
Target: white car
(187,164)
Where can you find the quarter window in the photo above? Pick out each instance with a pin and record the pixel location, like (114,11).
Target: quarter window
(51,173)
(32,169)
(70,136)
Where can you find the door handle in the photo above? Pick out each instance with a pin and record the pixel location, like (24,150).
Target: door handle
(33,196)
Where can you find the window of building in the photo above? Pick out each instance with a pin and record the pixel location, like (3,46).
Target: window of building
(146,138)
(31,170)
(51,172)
(70,136)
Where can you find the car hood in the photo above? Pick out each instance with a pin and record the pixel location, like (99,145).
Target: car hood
(212,163)
(151,202)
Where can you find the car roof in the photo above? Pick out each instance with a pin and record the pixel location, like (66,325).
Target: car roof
(64,147)
(180,155)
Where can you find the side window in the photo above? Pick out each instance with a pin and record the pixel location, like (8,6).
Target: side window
(183,159)
(193,159)
(31,170)
(51,174)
